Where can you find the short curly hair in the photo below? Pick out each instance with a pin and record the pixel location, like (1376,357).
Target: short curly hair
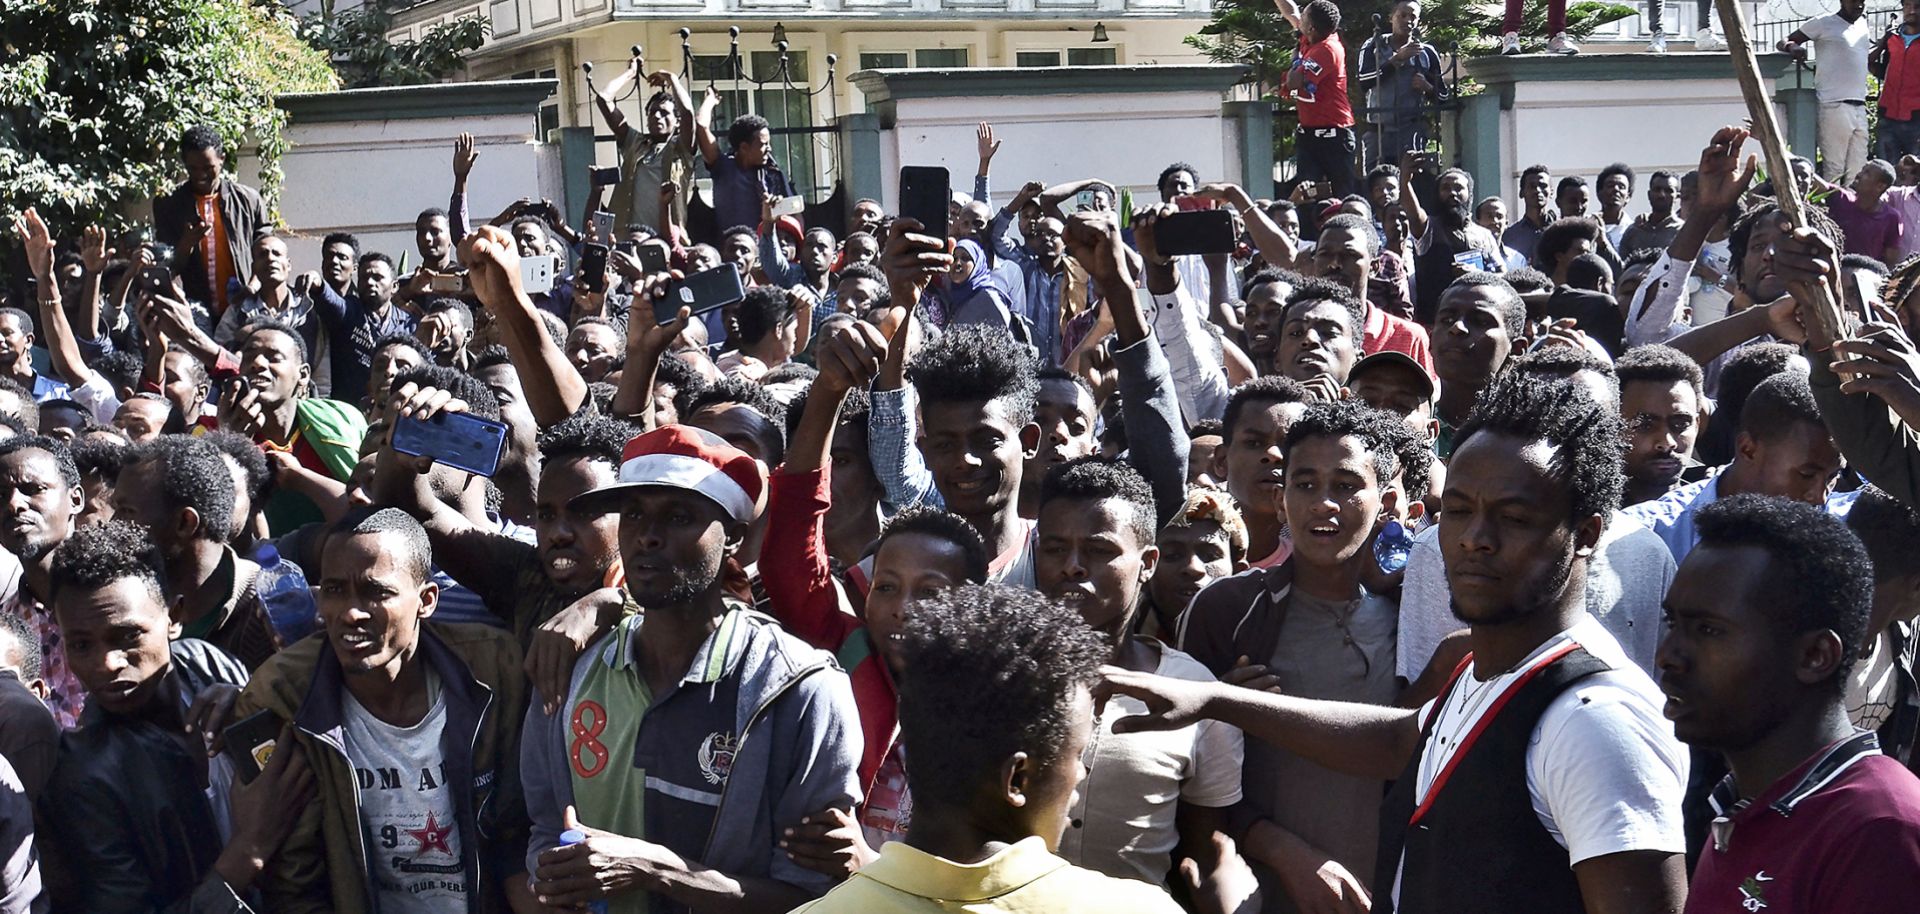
(1888,528)
(867,272)
(586,435)
(191,475)
(1777,405)
(1586,437)
(252,461)
(1098,479)
(996,671)
(1659,364)
(977,364)
(1560,237)
(100,554)
(1818,573)
(942,525)
(275,325)
(680,376)
(200,138)
(741,392)
(58,450)
(744,128)
(762,312)
(372,519)
(100,459)
(479,397)
(1264,391)
(1513,309)
(1314,291)
(1385,434)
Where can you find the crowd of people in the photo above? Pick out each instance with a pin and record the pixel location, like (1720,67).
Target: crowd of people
(1403,558)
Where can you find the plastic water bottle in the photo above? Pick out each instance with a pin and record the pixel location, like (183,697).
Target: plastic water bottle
(569,838)
(1392,546)
(283,588)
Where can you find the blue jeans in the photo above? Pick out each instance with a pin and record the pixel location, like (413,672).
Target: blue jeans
(1897,138)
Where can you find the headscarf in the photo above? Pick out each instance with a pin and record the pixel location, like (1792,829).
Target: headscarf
(980,280)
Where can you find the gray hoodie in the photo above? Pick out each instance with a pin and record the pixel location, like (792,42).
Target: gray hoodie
(795,742)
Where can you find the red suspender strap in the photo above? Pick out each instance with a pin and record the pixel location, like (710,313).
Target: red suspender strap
(1480,726)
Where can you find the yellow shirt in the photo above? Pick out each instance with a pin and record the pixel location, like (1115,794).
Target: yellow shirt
(1020,879)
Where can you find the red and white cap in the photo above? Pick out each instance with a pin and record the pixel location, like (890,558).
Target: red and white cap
(684,457)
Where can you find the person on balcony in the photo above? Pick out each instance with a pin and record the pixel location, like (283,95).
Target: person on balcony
(1896,63)
(1324,146)
(1556,27)
(1840,43)
(1402,77)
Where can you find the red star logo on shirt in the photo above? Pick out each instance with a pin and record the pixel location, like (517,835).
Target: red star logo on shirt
(432,835)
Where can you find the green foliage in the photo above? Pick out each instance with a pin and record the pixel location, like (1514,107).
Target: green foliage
(95,93)
(362,55)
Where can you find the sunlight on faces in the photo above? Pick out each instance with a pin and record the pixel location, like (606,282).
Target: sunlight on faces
(1504,534)
(1191,557)
(672,544)
(116,641)
(1317,338)
(1251,462)
(1088,556)
(1663,420)
(975,453)
(576,546)
(39,505)
(372,603)
(1334,498)
(907,568)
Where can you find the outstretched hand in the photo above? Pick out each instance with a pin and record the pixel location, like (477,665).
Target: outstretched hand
(37,240)
(1723,176)
(1171,703)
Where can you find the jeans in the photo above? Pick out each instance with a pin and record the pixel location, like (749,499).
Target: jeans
(1326,154)
(1656,7)
(1556,16)
(1385,142)
(1843,139)
(1898,138)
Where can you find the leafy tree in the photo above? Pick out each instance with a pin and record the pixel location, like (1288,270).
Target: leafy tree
(95,93)
(364,57)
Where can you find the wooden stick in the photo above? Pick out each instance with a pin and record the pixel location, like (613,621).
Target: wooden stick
(1828,319)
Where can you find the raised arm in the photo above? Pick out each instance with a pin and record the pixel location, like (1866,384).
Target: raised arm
(553,386)
(1274,245)
(462,549)
(703,128)
(648,341)
(1410,162)
(1052,197)
(616,121)
(463,158)
(61,349)
(1290,11)
(910,260)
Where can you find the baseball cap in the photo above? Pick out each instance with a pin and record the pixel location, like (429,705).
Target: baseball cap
(1386,358)
(684,457)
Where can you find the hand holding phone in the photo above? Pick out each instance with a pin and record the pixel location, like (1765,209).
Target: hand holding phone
(1195,232)
(457,439)
(925,193)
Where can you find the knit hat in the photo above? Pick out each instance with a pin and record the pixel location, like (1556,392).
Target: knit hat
(684,457)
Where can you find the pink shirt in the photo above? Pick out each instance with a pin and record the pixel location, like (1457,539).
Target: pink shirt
(1905,201)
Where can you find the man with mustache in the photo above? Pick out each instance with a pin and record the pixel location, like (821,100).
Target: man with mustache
(1450,243)
(1662,404)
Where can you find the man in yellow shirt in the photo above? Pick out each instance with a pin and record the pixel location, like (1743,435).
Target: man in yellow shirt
(995,712)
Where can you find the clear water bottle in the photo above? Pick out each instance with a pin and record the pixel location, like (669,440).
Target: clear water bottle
(283,588)
(1392,546)
(569,838)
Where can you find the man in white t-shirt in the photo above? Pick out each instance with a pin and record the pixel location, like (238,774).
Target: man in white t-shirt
(1840,43)
(1536,472)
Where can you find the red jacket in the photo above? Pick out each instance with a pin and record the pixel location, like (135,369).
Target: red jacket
(1900,90)
(813,606)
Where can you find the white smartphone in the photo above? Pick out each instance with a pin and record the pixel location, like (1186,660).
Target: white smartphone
(789,206)
(536,274)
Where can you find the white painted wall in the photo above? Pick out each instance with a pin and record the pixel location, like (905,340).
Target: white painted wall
(373,177)
(1578,128)
(1124,138)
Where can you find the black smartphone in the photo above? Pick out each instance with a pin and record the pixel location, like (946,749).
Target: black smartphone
(593,267)
(702,292)
(459,440)
(925,193)
(156,280)
(250,743)
(604,177)
(653,258)
(1200,232)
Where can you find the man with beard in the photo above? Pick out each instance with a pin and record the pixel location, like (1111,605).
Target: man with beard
(1766,621)
(1450,243)
(273,404)
(41,490)
(1664,407)
(708,729)
(1345,256)
(1562,786)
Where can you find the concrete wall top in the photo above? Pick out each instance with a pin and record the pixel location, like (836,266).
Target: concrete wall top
(435,100)
(1500,71)
(892,85)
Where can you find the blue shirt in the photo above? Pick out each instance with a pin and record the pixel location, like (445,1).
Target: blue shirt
(1670,517)
(738,192)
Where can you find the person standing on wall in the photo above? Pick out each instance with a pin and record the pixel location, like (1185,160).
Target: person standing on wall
(1402,76)
(1896,63)
(1556,27)
(1324,146)
(1840,42)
